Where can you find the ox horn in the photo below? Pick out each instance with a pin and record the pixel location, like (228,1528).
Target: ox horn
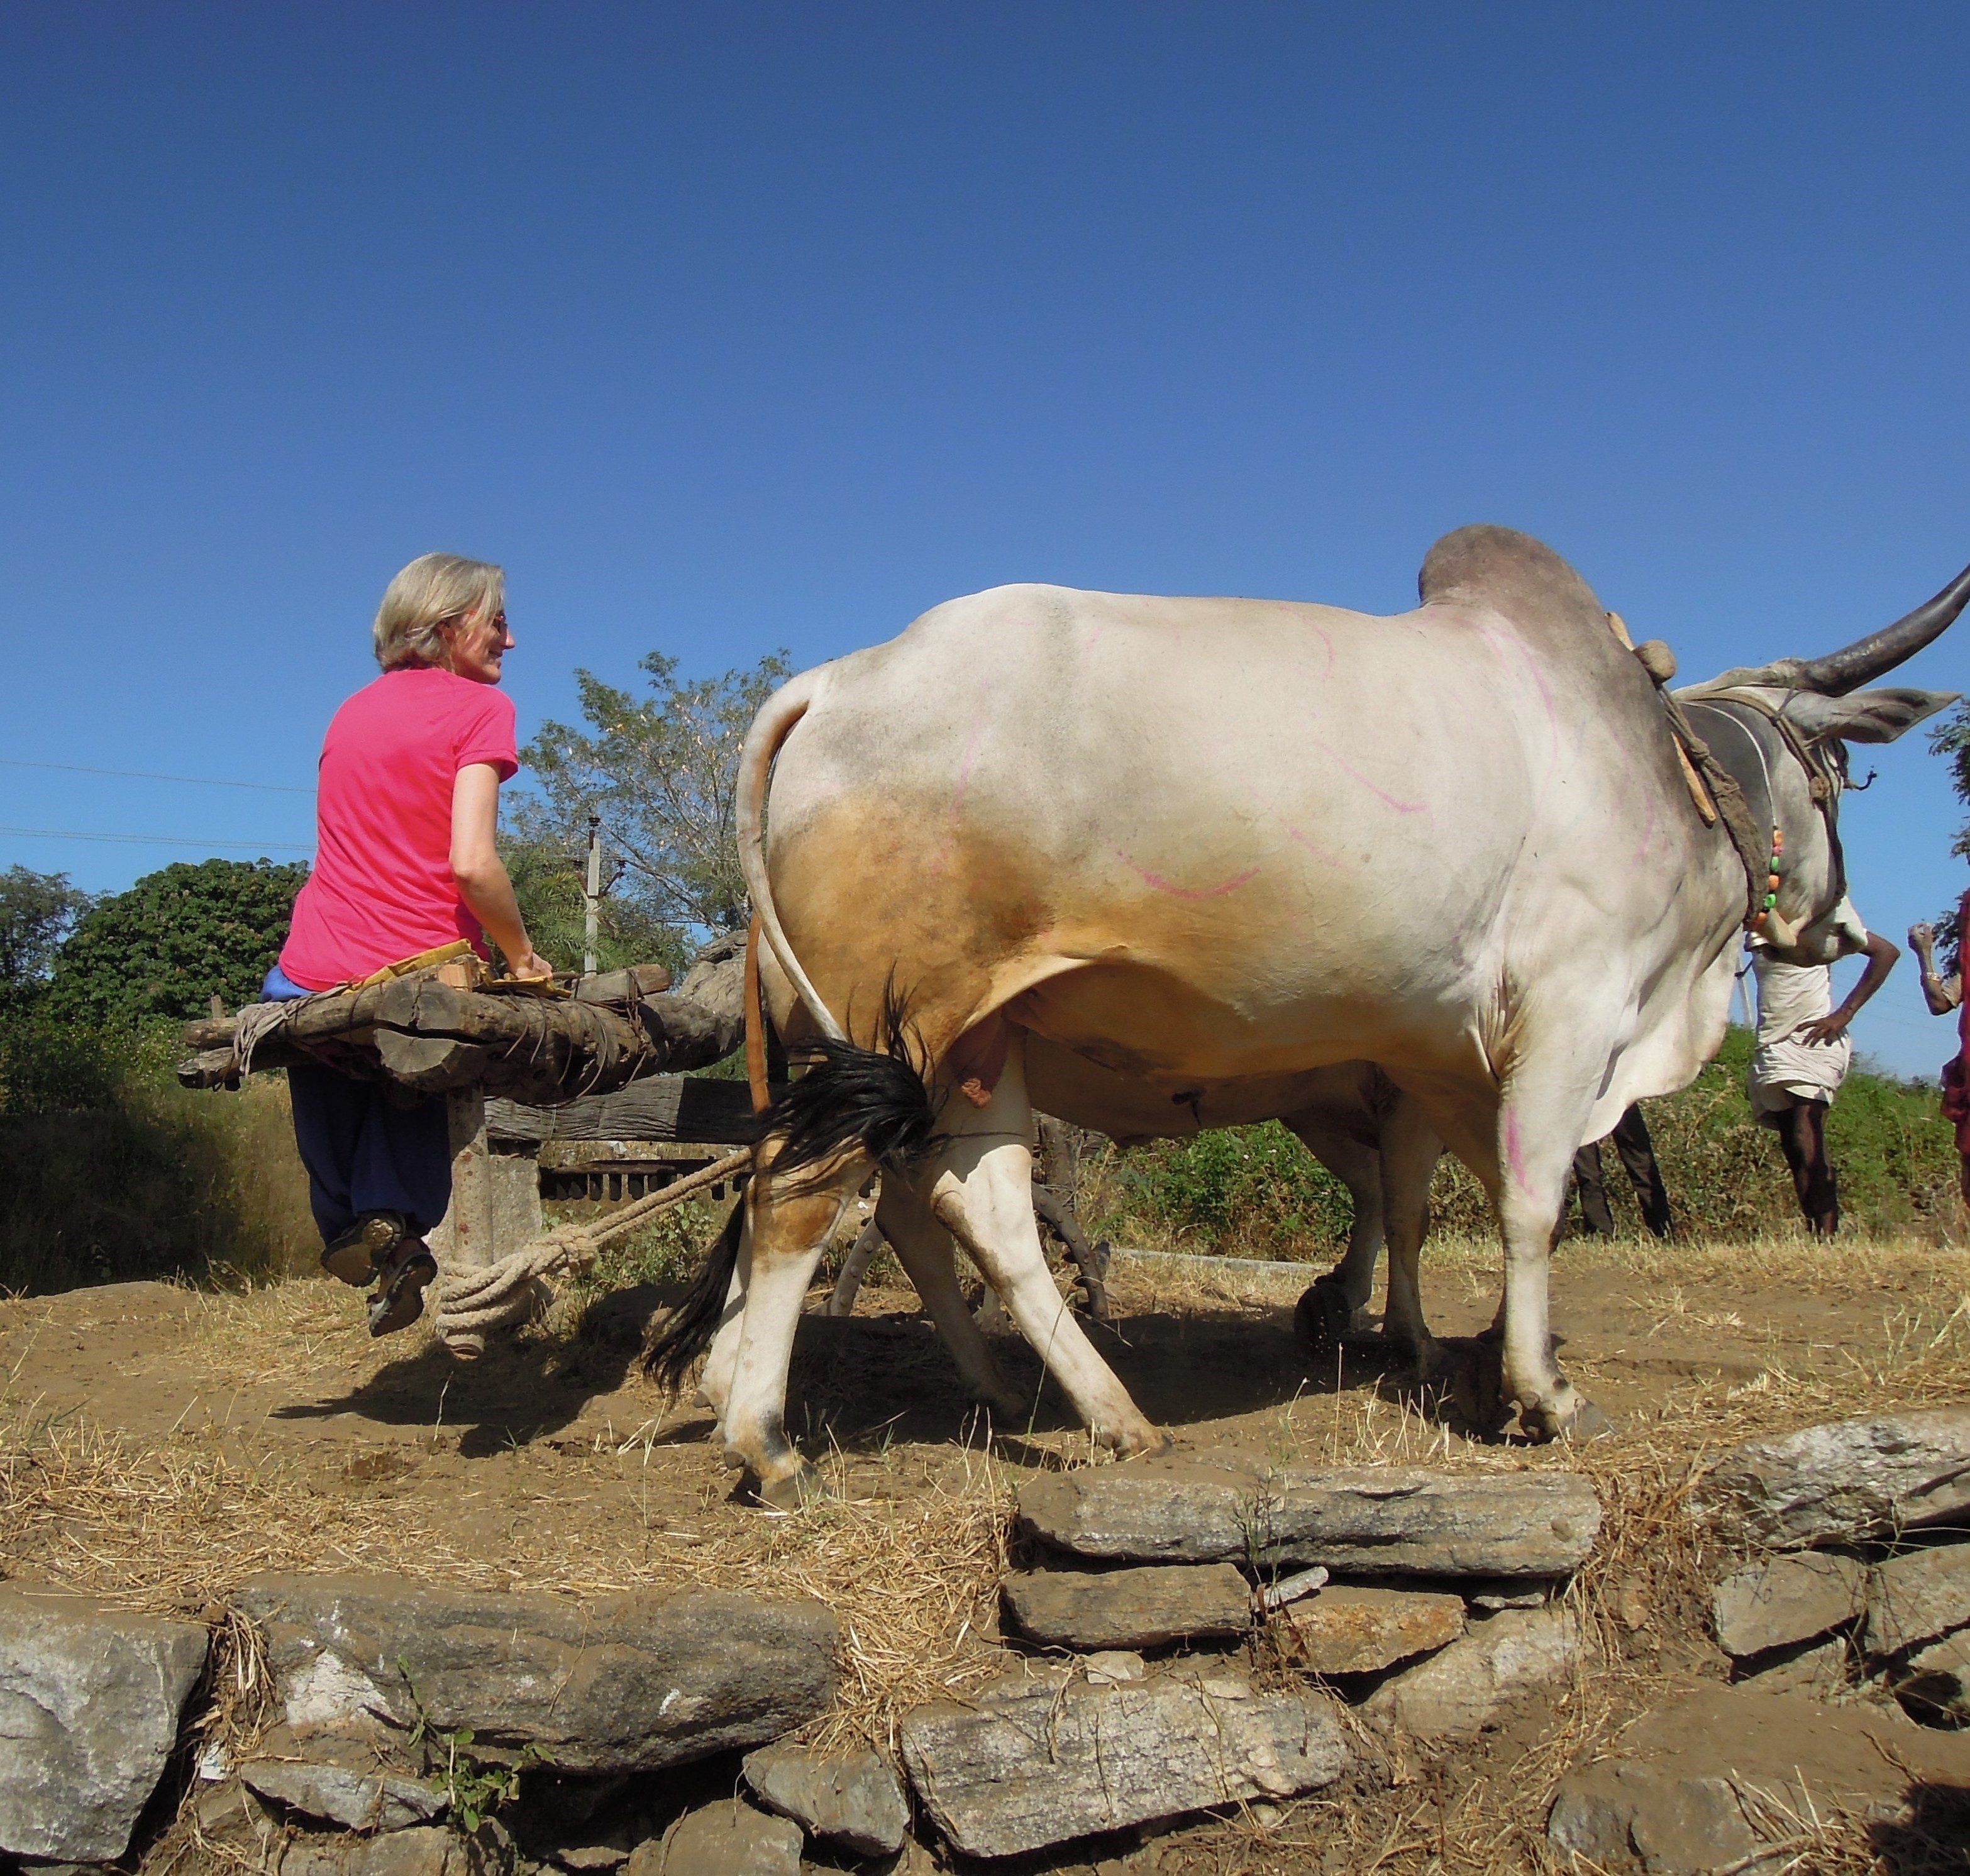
(1866,659)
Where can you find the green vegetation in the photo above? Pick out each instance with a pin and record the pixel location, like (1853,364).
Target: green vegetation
(37,910)
(108,1170)
(1255,1192)
(176,939)
(547,875)
(661,771)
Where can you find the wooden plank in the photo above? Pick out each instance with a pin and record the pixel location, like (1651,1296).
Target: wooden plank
(657,1107)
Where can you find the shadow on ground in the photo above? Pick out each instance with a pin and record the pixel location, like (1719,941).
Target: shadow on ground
(861,1383)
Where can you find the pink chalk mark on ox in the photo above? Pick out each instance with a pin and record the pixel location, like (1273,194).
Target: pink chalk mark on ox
(1476,977)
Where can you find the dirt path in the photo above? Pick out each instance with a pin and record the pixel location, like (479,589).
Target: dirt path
(160,1445)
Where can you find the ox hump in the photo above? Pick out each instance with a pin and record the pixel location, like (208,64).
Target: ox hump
(1510,573)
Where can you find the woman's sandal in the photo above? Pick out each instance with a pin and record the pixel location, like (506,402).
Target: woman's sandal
(355,1258)
(399,1299)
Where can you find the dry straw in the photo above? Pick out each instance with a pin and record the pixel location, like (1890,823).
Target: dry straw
(909,1552)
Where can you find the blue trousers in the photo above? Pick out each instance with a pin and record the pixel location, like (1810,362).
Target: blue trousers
(362,1153)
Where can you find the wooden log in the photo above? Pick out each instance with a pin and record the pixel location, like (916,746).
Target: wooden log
(432,1065)
(658,1108)
(621,987)
(540,1049)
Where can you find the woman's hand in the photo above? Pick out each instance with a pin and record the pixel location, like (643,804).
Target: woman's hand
(533,968)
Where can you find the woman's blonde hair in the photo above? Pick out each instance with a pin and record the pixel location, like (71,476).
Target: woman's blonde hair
(433,591)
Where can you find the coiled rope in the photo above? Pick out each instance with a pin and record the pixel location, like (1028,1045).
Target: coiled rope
(515,1289)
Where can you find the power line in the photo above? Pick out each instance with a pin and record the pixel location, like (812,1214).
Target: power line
(145,775)
(158,840)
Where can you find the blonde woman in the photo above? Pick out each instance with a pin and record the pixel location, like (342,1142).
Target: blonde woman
(407,810)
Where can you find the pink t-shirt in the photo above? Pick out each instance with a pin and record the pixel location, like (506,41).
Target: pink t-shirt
(381,888)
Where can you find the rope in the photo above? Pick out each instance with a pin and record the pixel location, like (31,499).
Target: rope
(514,1290)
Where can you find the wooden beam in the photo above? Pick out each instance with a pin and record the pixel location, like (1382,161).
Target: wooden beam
(658,1108)
(433,1038)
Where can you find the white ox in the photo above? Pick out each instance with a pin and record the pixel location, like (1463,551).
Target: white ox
(1150,864)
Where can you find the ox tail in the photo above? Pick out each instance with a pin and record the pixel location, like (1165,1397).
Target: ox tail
(878,1101)
(687,1331)
(777,716)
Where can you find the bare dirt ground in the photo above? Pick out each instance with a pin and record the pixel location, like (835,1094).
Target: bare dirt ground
(159,1445)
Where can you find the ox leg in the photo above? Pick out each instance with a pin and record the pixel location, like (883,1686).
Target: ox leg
(1338,1301)
(924,1248)
(1539,1131)
(1410,1150)
(714,1383)
(984,1195)
(790,1219)
(854,1268)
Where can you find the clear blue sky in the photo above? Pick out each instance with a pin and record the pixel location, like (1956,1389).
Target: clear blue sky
(735,326)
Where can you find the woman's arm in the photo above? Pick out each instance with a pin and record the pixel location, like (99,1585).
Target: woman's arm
(1941,994)
(1881,956)
(480,873)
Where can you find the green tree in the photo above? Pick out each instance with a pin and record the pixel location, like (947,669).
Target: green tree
(174,939)
(547,875)
(37,912)
(661,770)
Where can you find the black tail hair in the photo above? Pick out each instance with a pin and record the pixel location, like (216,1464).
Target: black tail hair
(689,1329)
(879,1099)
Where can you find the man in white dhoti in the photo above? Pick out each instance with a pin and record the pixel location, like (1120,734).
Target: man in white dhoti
(1802,1054)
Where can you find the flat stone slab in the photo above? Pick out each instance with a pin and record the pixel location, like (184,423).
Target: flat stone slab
(1355,1631)
(1382,1521)
(854,1798)
(1463,1689)
(90,1698)
(423,1850)
(1821,1669)
(1786,1599)
(1917,1596)
(355,1800)
(1135,1608)
(1042,1760)
(1846,1479)
(1629,1814)
(1671,1806)
(1935,1682)
(628,1683)
(727,1839)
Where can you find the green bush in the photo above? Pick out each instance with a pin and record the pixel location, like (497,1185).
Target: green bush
(178,937)
(110,1171)
(1255,1191)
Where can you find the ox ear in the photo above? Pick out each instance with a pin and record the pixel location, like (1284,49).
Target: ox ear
(1863,716)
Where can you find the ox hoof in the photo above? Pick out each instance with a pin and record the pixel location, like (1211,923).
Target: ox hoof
(1141,1442)
(1323,1316)
(1418,1359)
(792,1491)
(1568,1417)
(1007,1410)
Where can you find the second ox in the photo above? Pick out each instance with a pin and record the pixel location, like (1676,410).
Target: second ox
(1150,864)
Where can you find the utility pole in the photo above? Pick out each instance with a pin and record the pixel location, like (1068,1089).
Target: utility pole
(593,895)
